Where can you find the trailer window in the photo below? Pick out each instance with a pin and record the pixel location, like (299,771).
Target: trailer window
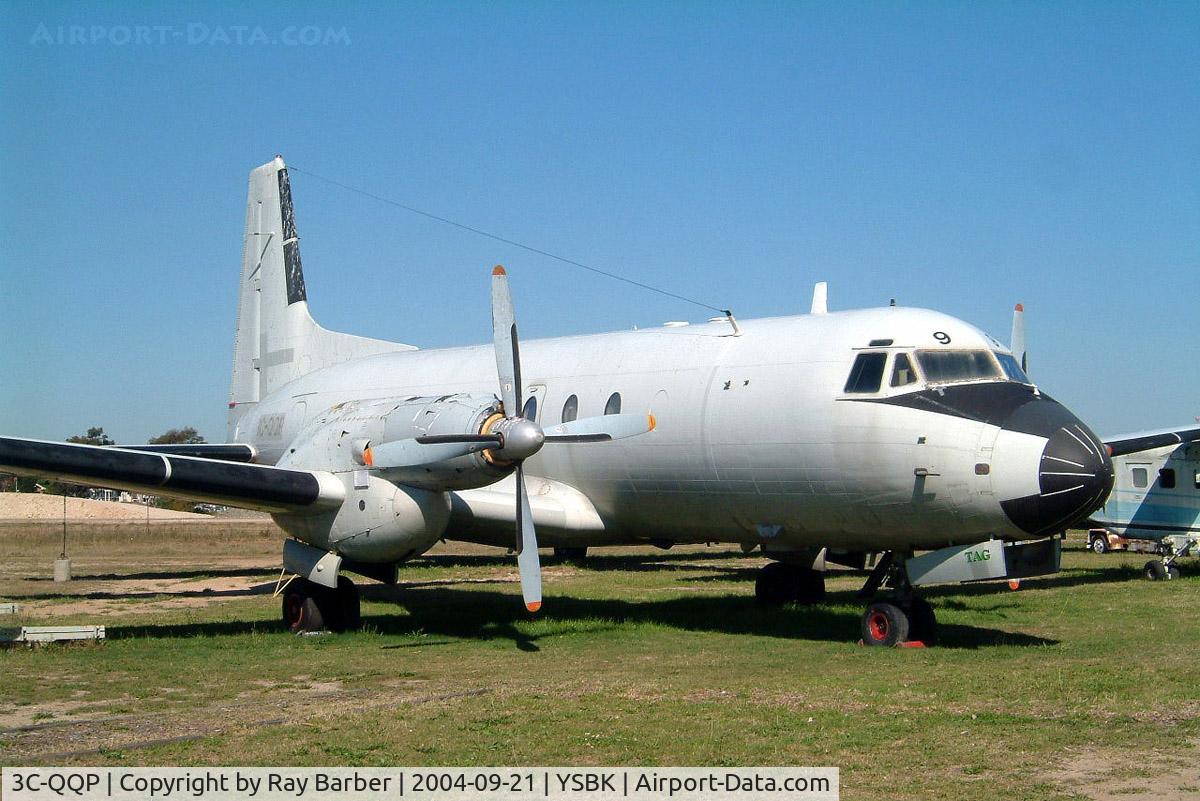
(903,373)
(946,366)
(867,373)
(1140,477)
(1166,478)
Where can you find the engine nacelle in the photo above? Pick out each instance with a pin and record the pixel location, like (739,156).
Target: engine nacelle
(336,439)
(379,522)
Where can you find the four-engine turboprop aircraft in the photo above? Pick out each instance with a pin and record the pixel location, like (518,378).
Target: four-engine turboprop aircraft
(821,437)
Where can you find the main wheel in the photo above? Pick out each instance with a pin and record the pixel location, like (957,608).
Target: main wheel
(1172,572)
(563,554)
(348,605)
(775,584)
(884,624)
(1155,570)
(809,585)
(301,612)
(922,624)
(1099,544)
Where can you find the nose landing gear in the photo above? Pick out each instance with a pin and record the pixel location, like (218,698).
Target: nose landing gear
(900,617)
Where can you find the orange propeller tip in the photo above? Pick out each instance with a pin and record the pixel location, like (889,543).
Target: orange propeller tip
(533,606)
(1020,307)
(498,270)
(653,422)
(368,458)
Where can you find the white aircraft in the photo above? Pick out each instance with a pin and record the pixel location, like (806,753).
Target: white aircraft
(819,438)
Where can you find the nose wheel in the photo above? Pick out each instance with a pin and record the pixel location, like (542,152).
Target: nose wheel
(900,618)
(310,607)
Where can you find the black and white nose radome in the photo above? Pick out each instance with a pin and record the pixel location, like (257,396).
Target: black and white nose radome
(1075,473)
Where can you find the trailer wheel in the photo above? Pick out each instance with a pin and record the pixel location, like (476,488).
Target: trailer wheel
(1099,543)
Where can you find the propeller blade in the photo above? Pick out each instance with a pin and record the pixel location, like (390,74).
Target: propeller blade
(601,429)
(414,452)
(527,548)
(504,335)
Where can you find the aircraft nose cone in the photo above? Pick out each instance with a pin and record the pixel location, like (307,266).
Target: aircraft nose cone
(1075,473)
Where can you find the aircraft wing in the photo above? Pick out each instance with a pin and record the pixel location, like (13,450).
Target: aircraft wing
(1146,440)
(247,486)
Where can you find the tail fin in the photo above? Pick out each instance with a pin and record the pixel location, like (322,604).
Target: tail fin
(1017,340)
(277,340)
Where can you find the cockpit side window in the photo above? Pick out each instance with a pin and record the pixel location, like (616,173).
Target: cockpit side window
(867,373)
(903,373)
(945,366)
(1011,368)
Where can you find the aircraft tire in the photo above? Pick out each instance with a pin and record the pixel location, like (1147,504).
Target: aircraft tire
(566,554)
(301,612)
(1155,570)
(922,623)
(348,603)
(1173,572)
(809,586)
(884,623)
(775,584)
(1099,544)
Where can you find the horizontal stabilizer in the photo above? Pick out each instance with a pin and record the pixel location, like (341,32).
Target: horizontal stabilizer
(247,486)
(1148,441)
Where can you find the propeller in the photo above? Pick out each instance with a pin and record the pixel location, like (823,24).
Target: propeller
(513,439)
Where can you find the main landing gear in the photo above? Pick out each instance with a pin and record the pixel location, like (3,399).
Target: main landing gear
(310,607)
(900,617)
(780,583)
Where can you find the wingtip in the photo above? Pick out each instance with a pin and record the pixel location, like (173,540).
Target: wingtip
(533,606)
(498,270)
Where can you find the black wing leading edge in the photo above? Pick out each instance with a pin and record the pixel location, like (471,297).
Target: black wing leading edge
(248,486)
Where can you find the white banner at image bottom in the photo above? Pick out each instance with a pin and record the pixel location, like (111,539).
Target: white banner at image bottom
(421,784)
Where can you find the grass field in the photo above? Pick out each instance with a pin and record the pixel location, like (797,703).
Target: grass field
(1078,686)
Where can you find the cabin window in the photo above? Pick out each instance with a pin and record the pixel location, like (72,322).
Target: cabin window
(614,404)
(903,373)
(944,366)
(1011,368)
(1140,477)
(570,409)
(867,373)
(1166,478)
(530,410)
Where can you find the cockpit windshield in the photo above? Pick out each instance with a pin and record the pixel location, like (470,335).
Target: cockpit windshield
(949,366)
(1012,369)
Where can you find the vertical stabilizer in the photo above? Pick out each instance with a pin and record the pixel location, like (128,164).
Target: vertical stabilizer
(277,340)
(1017,340)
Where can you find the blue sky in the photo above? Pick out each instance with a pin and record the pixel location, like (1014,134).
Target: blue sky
(956,156)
